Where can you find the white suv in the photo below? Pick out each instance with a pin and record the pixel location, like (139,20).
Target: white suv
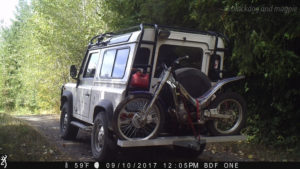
(105,75)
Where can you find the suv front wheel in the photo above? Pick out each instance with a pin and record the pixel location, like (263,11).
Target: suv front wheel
(67,131)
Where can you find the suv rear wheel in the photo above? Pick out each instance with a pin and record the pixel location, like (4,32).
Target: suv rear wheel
(101,139)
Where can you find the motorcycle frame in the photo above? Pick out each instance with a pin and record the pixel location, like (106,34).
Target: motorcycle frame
(175,86)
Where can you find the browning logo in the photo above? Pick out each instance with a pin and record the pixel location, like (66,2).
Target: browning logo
(3,160)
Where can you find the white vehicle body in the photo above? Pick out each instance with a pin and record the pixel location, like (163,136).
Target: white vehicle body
(90,91)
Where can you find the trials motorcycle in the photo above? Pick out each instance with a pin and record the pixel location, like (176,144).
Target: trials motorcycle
(141,116)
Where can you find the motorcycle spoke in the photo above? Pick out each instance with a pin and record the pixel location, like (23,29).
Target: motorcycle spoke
(133,132)
(148,128)
(128,128)
(125,126)
(145,131)
(129,131)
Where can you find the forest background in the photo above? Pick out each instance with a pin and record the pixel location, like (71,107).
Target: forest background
(48,36)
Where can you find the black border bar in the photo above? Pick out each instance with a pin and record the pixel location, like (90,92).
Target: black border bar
(153,165)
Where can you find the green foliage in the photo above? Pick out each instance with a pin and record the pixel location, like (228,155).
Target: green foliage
(11,59)
(264,51)
(45,39)
(50,35)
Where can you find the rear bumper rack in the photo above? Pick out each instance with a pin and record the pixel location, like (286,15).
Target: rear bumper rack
(168,141)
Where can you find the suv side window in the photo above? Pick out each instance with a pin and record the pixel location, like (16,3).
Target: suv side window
(168,53)
(107,64)
(120,63)
(91,65)
(114,63)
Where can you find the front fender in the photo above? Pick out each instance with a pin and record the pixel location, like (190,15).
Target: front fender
(105,106)
(66,96)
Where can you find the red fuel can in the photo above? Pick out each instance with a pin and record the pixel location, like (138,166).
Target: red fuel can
(140,80)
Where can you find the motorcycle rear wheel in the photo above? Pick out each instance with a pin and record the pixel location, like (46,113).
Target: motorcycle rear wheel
(126,119)
(229,103)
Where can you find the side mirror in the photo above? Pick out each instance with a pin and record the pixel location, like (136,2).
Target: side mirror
(73,71)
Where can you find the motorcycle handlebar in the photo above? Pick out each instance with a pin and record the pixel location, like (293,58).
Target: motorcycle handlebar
(177,61)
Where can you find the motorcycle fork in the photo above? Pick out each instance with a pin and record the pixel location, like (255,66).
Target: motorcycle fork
(156,93)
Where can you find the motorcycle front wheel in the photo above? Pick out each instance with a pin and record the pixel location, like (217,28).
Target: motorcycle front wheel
(128,121)
(232,104)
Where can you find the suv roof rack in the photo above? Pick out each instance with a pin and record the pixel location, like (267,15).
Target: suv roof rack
(156,27)
(142,26)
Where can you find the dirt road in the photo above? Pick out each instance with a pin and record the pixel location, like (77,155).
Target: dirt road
(79,150)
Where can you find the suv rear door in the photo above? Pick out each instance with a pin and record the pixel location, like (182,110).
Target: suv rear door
(169,50)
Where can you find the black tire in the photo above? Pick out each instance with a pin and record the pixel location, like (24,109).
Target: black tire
(193,80)
(189,153)
(239,124)
(155,131)
(102,149)
(67,131)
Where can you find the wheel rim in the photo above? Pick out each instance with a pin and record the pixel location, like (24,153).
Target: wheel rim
(65,121)
(229,107)
(130,125)
(99,138)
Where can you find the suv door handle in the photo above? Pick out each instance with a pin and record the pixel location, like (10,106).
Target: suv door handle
(87,94)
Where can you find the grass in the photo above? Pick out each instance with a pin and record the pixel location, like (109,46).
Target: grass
(23,143)
(26,111)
